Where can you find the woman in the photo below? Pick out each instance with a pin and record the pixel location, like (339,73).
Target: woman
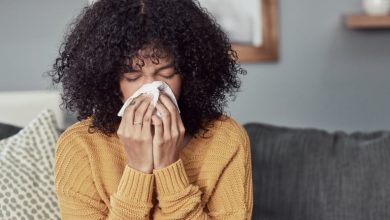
(191,163)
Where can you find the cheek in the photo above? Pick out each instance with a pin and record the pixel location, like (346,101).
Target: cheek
(176,92)
(176,88)
(127,89)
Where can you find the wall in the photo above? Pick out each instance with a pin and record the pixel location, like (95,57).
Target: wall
(327,77)
(30,35)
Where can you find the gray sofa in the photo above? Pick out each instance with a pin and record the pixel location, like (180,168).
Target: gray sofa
(311,174)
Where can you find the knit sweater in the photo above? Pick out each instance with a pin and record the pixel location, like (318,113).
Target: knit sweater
(211,180)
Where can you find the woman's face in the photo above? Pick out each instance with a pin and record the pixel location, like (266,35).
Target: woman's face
(163,71)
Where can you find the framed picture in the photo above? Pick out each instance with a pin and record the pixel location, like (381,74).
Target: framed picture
(251,25)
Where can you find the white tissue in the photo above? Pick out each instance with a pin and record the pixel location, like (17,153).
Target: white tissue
(153,88)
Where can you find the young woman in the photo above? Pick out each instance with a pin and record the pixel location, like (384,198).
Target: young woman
(193,162)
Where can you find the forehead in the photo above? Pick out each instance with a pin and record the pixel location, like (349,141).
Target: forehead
(150,56)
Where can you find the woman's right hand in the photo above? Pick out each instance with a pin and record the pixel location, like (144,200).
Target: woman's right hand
(135,133)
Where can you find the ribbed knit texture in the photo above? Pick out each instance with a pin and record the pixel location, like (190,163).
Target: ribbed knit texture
(211,180)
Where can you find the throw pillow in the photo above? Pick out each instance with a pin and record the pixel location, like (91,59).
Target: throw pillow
(26,171)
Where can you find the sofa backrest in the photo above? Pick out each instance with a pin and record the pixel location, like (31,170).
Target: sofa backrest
(311,174)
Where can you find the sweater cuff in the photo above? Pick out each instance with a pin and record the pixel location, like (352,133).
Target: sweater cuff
(136,185)
(171,179)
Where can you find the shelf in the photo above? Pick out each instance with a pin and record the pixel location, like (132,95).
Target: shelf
(363,21)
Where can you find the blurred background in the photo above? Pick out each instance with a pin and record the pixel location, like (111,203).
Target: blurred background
(327,76)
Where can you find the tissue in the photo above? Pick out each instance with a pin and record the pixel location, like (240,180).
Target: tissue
(153,88)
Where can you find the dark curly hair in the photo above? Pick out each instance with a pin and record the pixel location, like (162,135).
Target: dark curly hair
(104,36)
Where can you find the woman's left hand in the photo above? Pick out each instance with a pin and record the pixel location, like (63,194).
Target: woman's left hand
(168,133)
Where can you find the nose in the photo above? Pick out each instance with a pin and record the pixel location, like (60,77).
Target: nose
(149,78)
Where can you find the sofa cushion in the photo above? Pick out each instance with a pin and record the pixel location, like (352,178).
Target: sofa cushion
(306,174)
(26,171)
(7,130)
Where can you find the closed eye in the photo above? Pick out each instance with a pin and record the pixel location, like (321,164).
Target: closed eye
(132,80)
(168,76)
(131,76)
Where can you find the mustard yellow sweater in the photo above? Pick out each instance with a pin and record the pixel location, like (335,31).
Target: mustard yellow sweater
(211,180)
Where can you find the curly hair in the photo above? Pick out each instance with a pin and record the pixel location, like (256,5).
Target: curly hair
(93,57)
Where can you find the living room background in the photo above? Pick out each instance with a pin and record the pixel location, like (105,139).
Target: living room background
(327,76)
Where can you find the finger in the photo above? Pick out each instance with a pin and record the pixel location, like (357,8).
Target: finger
(148,119)
(134,104)
(140,112)
(167,102)
(128,115)
(158,129)
(181,125)
(181,128)
(166,119)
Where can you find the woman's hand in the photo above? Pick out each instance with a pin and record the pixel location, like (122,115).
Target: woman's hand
(168,133)
(136,135)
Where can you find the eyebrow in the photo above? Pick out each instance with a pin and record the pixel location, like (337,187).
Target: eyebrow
(169,65)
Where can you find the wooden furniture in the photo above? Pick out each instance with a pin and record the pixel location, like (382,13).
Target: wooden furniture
(268,51)
(363,21)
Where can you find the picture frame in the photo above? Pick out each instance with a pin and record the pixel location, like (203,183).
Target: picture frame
(268,51)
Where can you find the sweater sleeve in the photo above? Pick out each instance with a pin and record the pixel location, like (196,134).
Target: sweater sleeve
(78,197)
(232,197)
